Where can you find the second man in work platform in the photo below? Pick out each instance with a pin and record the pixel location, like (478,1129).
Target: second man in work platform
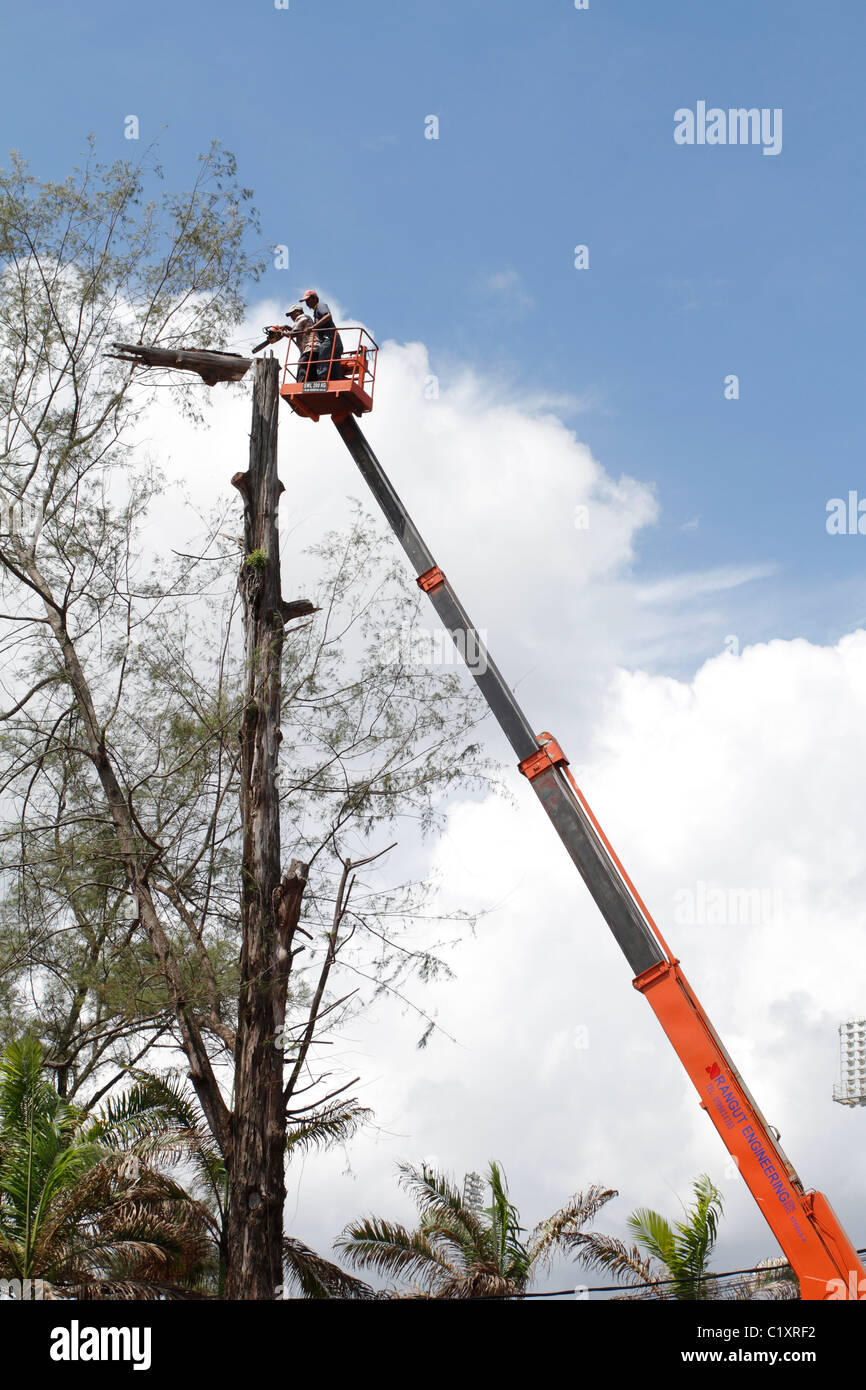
(307,340)
(330,348)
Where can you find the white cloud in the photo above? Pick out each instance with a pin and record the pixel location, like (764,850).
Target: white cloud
(730,778)
(682,587)
(509,284)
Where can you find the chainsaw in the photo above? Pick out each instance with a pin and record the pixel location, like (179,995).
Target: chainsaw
(275,332)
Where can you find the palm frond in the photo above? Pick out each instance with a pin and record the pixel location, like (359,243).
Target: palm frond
(613,1255)
(654,1233)
(431,1190)
(334,1124)
(478,1283)
(153,1106)
(773,1280)
(388,1248)
(24,1088)
(695,1237)
(564,1230)
(127,1290)
(444,1211)
(158,1118)
(509,1252)
(316,1277)
(79,1207)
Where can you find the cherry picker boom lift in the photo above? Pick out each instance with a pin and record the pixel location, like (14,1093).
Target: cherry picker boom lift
(803,1222)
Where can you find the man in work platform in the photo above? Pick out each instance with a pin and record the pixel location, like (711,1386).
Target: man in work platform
(331,348)
(308,341)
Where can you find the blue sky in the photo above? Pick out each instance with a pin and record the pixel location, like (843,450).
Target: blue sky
(556,128)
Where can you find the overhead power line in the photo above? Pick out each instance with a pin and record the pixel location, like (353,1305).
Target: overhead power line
(629,1288)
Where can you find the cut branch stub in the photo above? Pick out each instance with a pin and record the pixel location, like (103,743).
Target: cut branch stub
(210,365)
(298,608)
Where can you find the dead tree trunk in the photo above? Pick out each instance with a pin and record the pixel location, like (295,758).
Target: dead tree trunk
(270,904)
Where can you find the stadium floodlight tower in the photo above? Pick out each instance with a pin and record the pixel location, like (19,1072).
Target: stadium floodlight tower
(473,1192)
(852,1049)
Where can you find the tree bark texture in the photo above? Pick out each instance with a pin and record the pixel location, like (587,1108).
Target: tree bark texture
(270,903)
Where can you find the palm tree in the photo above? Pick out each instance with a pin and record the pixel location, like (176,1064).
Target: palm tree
(87,1209)
(460,1251)
(773,1280)
(176,1131)
(81,1208)
(672,1260)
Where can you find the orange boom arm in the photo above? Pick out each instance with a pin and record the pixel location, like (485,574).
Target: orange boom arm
(817,1248)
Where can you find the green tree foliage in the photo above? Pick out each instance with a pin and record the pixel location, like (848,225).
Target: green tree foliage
(671,1258)
(172,1129)
(460,1251)
(84,1206)
(88,1206)
(371,744)
(119,844)
(101,256)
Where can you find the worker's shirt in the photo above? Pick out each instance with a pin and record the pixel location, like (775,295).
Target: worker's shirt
(322,311)
(304,334)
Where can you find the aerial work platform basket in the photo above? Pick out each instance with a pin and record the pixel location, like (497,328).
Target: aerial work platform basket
(334,385)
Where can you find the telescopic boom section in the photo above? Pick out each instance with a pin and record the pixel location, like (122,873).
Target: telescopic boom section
(804,1224)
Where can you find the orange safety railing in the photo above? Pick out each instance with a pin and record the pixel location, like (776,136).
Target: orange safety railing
(356,363)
